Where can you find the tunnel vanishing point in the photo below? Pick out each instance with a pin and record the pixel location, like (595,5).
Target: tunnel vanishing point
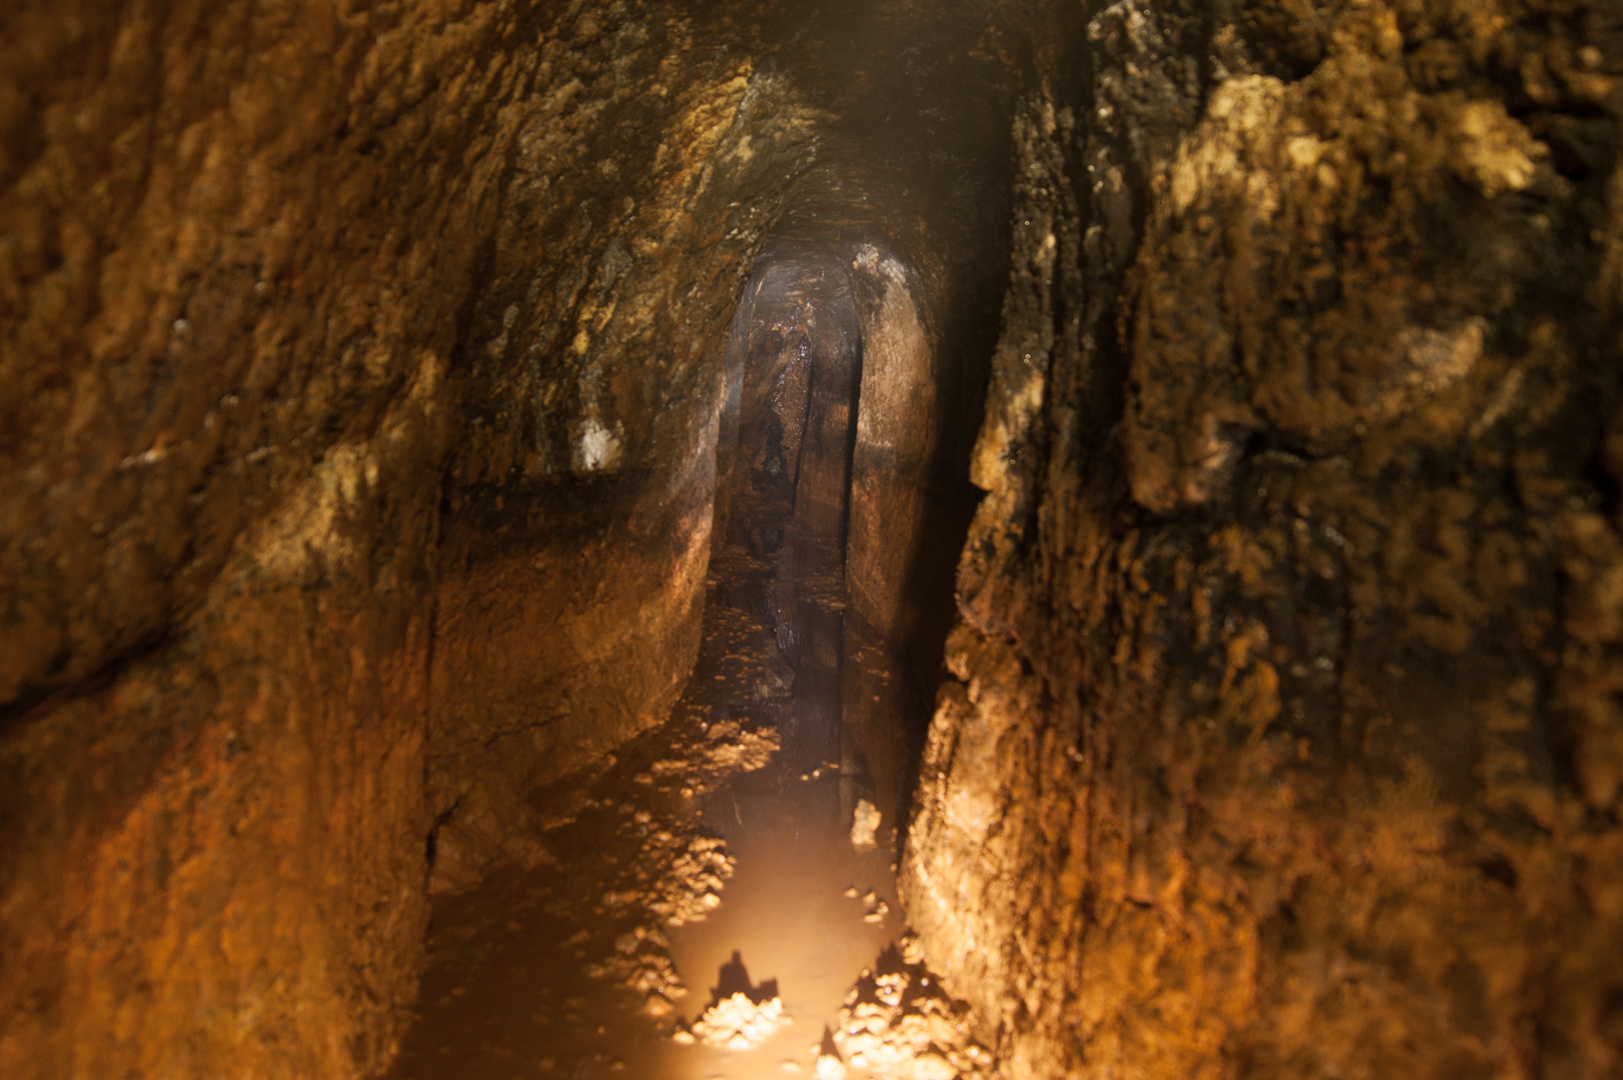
(1216,404)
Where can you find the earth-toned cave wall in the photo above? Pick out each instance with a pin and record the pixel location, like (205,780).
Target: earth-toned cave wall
(360,380)
(294,299)
(1285,738)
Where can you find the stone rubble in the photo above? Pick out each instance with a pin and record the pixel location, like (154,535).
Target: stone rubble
(900,1023)
(736,1022)
(727,750)
(875,906)
(693,867)
(829,1067)
(864,824)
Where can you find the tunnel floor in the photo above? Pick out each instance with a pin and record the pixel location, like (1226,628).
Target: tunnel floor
(714,856)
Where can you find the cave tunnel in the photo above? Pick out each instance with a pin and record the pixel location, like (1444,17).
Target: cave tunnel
(999,539)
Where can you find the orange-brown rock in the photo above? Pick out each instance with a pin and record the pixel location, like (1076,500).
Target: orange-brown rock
(1284,740)
(291,299)
(363,370)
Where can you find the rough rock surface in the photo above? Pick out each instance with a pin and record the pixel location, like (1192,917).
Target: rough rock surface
(900,1023)
(1285,738)
(360,381)
(291,301)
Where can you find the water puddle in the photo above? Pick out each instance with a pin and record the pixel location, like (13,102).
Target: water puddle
(709,865)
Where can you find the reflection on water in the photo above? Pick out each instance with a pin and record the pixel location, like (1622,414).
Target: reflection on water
(787,911)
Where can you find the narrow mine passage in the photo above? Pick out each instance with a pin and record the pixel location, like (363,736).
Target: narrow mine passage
(705,906)
(717,897)
(362,382)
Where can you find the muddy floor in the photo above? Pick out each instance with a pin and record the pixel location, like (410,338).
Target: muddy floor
(702,909)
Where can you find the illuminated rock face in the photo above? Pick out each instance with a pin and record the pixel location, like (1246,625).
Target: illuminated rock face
(360,385)
(1285,738)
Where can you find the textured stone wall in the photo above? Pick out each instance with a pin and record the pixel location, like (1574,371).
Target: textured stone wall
(1285,736)
(895,446)
(579,504)
(360,377)
(292,298)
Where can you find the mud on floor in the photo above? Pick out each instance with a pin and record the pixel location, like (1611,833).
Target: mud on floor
(567,970)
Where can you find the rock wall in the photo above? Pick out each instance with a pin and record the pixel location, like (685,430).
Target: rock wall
(895,445)
(579,506)
(1285,736)
(292,300)
(362,372)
